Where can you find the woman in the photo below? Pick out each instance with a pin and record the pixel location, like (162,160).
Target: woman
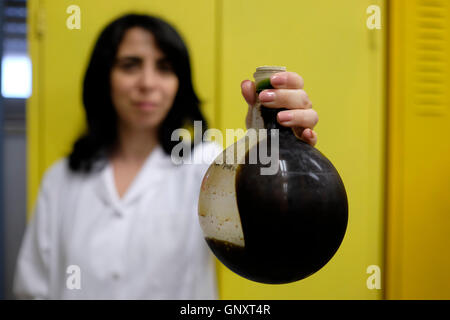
(117,219)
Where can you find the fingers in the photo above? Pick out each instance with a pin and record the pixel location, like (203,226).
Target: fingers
(307,135)
(248,91)
(281,80)
(285,98)
(298,118)
(287,80)
(288,93)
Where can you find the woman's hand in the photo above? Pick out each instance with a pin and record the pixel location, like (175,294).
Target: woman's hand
(288,93)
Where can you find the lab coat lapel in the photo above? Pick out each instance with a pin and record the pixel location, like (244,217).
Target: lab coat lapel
(106,189)
(149,177)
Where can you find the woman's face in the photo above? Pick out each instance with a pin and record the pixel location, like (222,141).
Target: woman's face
(143,84)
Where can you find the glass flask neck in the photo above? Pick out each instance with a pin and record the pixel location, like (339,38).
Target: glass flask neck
(262,82)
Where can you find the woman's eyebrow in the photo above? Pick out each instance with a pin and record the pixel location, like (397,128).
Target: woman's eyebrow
(129,58)
(137,59)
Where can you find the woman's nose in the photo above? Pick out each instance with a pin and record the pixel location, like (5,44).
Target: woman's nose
(148,78)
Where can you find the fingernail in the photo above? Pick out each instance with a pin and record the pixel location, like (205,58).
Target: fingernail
(278,80)
(285,116)
(267,96)
(309,134)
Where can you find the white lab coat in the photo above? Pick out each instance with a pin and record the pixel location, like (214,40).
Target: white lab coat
(146,245)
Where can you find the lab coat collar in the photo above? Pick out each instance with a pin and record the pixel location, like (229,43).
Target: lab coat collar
(147,180)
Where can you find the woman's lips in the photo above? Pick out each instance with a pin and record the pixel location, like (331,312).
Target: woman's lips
(145,105)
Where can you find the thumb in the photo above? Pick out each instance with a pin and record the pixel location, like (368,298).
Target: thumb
(248,91)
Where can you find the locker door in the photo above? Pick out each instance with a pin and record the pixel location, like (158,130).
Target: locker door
(418,241)
(342,62)
(60,55)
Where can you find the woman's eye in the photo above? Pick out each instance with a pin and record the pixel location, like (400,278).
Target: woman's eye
(128,66)
(165,67)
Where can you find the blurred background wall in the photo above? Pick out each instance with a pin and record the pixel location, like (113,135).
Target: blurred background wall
(15,89)
(377,72)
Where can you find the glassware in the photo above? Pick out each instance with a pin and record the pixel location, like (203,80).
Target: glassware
(275,221)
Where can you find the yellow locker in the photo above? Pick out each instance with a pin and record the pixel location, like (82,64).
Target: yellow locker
(342,62)
(418,203)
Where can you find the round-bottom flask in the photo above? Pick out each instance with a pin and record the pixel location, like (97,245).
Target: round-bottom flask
(273,209)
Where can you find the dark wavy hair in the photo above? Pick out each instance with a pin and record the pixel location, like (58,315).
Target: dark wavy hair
(101,134)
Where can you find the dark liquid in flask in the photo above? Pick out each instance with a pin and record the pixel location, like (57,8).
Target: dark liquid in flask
(293,222)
